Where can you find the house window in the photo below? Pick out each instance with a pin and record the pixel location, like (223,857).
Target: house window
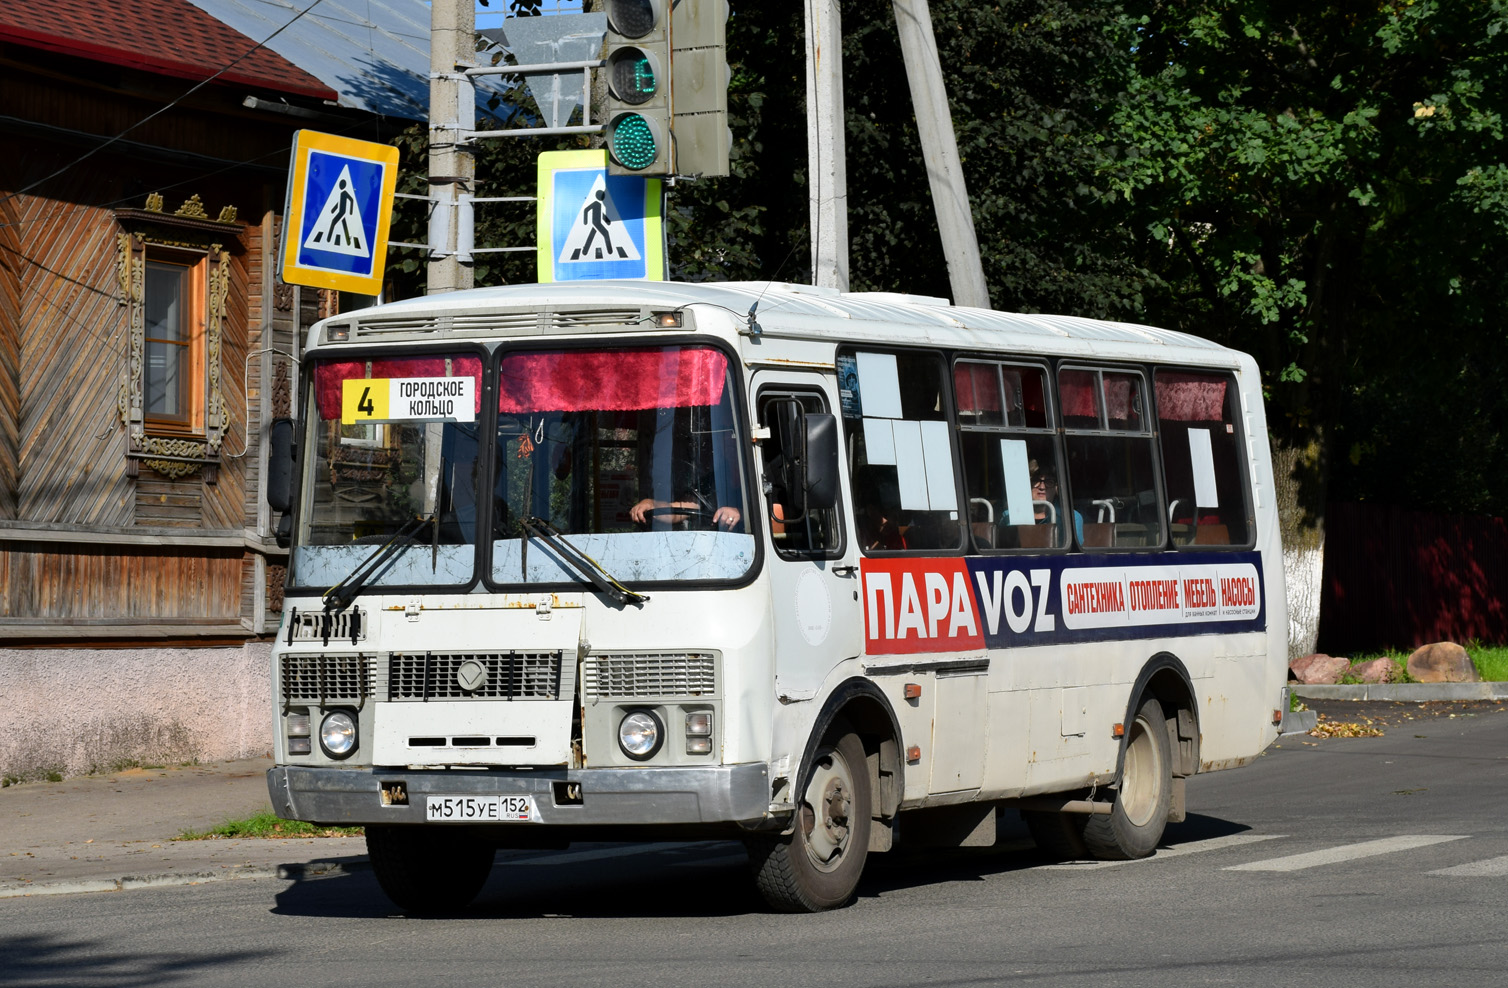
(173,338)
(175,273)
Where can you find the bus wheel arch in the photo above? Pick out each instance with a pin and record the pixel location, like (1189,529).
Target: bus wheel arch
(1159,749)
(846,798)
(1165,678)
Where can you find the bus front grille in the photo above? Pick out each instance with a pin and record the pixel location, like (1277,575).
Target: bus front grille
(663,674)
(322,678)
(474,676)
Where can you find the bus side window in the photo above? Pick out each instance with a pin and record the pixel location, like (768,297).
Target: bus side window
(1111,473)
(1010,457)
(1201,458)
(900,450)
(818,532)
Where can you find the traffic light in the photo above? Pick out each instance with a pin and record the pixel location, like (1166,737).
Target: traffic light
(638,87)
(667,87)
(699,87)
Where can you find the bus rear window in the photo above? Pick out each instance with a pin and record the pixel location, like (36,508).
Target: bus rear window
(1201,458)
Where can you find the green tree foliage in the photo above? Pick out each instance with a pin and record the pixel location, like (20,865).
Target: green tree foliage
(1323,186)
(1028,82)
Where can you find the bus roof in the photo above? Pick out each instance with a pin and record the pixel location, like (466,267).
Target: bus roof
(781,310)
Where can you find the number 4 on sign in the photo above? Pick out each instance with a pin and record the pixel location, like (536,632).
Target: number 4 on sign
(365,405)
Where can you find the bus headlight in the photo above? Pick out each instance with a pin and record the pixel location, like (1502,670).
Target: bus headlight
(640,735)
(337,734)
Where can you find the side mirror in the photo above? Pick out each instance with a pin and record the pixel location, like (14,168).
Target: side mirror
(281,457)
(821,482)
(808,468)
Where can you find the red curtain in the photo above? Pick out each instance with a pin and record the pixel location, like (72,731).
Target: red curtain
(1118,389)
(330,374)
(611,380)
(1185,397)
(978,387)
(1076,390)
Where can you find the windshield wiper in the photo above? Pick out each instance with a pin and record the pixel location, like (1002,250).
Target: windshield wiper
(581,562)
(338,597)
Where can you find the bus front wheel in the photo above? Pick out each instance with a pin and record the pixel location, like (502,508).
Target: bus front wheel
(426,873)
(817,865)
(1134,826)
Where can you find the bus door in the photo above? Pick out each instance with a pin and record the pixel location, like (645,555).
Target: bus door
(813,570)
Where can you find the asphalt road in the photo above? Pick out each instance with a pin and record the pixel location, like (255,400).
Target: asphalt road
(1368,861)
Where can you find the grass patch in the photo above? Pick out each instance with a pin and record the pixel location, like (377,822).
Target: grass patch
(1491,661)
(267,825)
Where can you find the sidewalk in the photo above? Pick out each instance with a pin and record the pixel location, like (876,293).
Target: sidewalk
(115,831)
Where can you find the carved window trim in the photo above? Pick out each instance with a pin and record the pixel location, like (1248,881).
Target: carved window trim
(173,451)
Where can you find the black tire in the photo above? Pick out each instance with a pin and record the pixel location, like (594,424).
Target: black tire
(1059,836)
(817,866)
(426,872)
(1143,794)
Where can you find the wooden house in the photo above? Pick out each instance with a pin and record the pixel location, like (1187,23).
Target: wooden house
(145,343)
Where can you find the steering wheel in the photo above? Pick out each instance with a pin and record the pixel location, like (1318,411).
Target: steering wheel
(700,517)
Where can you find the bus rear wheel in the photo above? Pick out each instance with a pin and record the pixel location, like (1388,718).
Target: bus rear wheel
(1134,825)
(426,873)
(817,866)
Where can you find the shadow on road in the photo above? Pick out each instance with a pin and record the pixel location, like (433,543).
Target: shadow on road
(650,881)
(684,880)
(56,960)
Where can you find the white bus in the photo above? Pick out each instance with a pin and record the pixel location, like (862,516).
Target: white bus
(820,572)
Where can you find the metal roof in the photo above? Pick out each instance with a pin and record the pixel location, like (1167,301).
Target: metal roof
(166,37)
(374,53)
(808,311)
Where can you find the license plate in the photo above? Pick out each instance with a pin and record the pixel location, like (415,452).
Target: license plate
(481,809)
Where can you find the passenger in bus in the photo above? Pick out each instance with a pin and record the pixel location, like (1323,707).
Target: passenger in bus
(1046,508)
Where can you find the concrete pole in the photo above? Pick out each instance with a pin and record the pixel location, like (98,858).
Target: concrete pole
(452,112)
(934,124)
(826,148)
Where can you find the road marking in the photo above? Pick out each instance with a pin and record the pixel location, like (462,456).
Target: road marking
(1345,852)
(1177,850)
(1490,868)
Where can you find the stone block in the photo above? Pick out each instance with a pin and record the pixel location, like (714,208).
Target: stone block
(1374,671)
(1319,668)
(1442,662)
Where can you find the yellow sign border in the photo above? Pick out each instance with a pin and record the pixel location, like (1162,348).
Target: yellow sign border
(295,208)
(551,162)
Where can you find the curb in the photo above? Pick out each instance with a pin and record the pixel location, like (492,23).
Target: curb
(1407,692)
(296,872)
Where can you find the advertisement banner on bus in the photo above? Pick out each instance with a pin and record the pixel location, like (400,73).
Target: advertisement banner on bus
(960,604)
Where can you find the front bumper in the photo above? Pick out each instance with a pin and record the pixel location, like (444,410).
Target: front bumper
(691,795)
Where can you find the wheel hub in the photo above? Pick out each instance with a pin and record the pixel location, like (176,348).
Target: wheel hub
(826,817)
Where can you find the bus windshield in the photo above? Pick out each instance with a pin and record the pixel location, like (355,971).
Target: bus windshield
(632,455)
(404,471)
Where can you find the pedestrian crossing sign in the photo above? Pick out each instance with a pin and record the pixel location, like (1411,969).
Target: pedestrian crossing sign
(335,222)
(592,225)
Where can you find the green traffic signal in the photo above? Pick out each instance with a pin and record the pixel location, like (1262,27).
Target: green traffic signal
(632,141)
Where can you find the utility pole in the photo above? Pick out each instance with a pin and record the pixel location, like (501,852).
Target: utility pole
(826,147)
(452,116)
(934,125)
